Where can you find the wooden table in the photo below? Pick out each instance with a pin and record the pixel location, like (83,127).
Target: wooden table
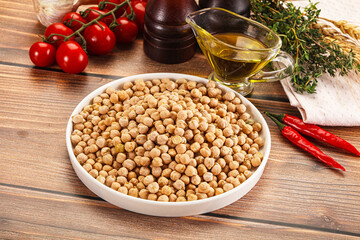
(42,198)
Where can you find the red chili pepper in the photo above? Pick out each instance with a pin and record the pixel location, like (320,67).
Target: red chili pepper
(316,132)
(301,142)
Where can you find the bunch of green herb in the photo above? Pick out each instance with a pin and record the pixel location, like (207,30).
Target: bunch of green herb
(313,55)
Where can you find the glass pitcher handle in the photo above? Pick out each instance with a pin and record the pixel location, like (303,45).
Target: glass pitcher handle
(280,67)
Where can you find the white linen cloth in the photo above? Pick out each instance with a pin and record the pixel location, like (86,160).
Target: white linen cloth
(337,101)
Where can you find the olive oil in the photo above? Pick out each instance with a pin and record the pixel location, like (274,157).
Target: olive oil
(235,66)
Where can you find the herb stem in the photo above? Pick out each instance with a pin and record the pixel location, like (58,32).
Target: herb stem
(314,54)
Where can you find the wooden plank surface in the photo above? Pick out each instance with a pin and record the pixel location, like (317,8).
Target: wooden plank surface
(42,198)
(36,119)
(98,219)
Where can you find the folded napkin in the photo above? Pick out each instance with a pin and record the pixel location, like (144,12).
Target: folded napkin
(337,101)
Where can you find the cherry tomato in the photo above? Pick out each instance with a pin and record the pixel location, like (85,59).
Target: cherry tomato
(127,31)
(42,54)
(99,41)
(75,16)
(94,14)
(109,7)
(139,10)
(71,57)
(58,28)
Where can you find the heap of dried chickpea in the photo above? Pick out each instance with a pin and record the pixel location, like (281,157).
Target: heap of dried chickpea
(167,140)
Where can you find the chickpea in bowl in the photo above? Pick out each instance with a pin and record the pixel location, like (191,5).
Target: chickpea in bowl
(170,138)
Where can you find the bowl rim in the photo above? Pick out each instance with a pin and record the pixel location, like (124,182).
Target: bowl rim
(149,76)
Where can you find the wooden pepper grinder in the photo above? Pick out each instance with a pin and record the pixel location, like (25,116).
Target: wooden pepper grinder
(167,37)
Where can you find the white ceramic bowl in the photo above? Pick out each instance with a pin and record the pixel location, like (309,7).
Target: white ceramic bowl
(167,209)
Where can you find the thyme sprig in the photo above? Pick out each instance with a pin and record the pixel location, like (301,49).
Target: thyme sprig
(313,55)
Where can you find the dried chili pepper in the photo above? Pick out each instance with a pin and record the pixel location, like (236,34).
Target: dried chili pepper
(315,132)
(301,142)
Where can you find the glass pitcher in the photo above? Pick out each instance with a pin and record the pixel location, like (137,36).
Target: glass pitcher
(239,48)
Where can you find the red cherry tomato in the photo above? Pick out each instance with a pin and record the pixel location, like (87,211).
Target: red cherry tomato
(75,16)
(71,57)
(58,28)
(126,32)
(99,41)
(42,54)
(95,14)
(109,7)
(139,10)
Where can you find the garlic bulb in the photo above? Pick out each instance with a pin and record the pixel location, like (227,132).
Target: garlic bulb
(50,11)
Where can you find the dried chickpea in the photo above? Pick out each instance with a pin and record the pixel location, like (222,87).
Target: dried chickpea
(164,135)
(247,163)
(208,176)
(133,192)
(109,180)
(115,186)
(195,147)
(248,173)
(108,159)
(252,150)
(179,185)
(153,187)
(176,139)
(234,165)
(156,171)
(242,168)
(163,198)
(82,158)
(195,179)
(181,199)
(221,176)
(188,134)
(144,193)
(174,175)
(94,173)
(192,197)
(185,179)
(216,169)
(205,152)
(201,196)
(218,191)
(257,127)
(152,197)
(202,170)
(75,139)
(228,187)
(190,171)
(78,149)
(101,179)
(233,173)
(129,164)
(162,139)
(172,198)
(123,190)
(259,141)
(181,148)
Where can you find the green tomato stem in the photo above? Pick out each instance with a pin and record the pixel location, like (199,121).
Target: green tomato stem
(96,20)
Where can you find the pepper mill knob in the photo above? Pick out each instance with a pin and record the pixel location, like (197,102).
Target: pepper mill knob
(167,36)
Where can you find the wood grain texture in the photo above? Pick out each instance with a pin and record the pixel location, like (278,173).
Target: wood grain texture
(98,219)
(291,191)
(21,32)
(42,198)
